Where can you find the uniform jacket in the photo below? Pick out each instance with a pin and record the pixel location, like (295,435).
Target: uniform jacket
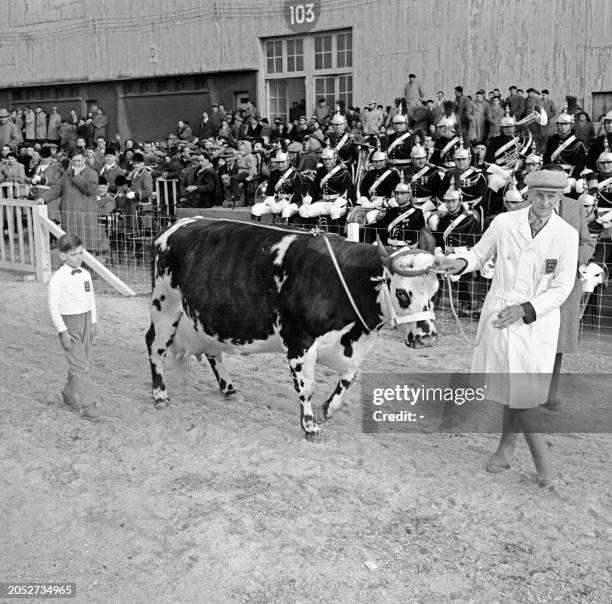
(292,185)
(385,188)
(573,155)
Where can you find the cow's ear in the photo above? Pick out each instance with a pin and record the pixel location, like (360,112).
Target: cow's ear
(383,254)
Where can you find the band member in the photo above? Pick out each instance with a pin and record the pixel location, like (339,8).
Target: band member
(446,144)
(399,143)
(565,148)
(343,142)
(603,190)
(504,155)
(283,195)
(140,179)
(455,231)
(331,188)
(402,223)
(597,144)
(471,181)
(423,179)
(378,183)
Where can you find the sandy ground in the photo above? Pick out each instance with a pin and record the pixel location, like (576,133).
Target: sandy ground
(218,500)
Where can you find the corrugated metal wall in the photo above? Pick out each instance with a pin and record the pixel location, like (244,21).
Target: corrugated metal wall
(565,45)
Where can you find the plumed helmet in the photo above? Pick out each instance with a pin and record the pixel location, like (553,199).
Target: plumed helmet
(402,187)
(446,122)
(461,152)
(418,152)
(586,199)
(338,119)
(533,157)
(328,153)
(281,156)
(605,155)
(564,118)
(512,194)
(508,120)
(399,118)
(379,155)
(453,194)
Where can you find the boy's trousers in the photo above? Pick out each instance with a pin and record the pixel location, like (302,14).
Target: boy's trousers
(78,390)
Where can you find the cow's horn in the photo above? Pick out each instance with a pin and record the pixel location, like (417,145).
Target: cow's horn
(383,254)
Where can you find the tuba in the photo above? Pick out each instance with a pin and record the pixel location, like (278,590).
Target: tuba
(537,116)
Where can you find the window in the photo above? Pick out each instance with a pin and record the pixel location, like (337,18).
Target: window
(323,52)
(344,47)
(345,89)
(277,98)
(274,56)
(144,86)
(295,55)
(326,87)
(162,85)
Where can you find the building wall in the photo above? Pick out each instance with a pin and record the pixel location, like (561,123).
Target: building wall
(564,45)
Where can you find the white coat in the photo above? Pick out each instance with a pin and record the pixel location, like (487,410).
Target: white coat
(540,270)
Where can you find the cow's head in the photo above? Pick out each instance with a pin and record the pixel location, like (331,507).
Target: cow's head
(412,288)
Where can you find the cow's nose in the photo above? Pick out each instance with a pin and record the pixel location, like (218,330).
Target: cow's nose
(421,341)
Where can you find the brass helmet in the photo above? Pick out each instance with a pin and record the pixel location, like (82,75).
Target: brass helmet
(587,200)
(281,156)
(328,153)
(401,187)
(379,154)
(453,194)
(606,154)
(399,118)
(564,118)
(446,122)
(461,152)
(533,157)
(417,151)
(508,120)
(512,194)
(338,119)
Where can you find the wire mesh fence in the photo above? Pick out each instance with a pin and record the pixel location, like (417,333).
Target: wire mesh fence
(123,242)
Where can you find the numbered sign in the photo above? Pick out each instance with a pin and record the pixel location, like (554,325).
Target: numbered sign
(302,16)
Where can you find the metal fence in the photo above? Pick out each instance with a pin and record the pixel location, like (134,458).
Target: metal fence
(123,243)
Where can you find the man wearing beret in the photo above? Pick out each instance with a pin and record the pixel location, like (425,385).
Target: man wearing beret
(535,271)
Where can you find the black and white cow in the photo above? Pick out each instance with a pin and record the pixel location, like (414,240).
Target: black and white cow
(228,286)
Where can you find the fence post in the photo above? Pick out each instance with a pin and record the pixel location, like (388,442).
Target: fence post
(41,245)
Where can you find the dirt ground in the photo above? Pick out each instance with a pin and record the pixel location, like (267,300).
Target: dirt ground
(217,500)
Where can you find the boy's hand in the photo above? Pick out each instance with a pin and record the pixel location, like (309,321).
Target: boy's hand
(67,340)
(93,331)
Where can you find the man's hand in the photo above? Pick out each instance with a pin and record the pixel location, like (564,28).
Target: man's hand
(67,340)
(451,266)
(508,316)
(191,188)
(93,331)
(40,201)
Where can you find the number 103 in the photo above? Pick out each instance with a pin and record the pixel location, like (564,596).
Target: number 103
(301,13)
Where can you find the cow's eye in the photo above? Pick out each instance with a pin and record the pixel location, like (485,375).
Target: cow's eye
(404,298)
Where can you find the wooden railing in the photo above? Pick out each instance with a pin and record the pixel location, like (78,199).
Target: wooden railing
(17,248)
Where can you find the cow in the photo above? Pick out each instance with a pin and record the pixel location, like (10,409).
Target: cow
(235,287)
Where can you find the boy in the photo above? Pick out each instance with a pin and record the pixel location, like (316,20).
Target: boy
(106,205)
(73,311)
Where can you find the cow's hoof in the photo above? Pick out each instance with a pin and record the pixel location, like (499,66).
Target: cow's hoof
(313,437)
(231,390)
(161,404)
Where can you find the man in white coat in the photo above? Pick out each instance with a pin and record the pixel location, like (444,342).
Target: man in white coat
(517,335)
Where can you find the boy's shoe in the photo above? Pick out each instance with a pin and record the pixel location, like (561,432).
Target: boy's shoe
(91,413)
(70,404)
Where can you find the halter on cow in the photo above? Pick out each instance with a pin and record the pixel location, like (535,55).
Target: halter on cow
(226,286)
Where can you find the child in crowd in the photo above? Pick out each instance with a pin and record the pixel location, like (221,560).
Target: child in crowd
(73,311)
(106,204)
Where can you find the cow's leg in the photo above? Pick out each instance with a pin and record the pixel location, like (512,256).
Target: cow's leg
(334,402)
(302,371)
(223,378)
(165,315)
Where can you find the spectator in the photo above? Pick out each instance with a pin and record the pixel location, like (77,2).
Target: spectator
(53,127)
(463,112)
(322,110)
(516,103)
(479,117)
(202,193)
(9,134)
(29,125)
(206,127)
(247,170)
(372,119)
(496,113)
(12,171)
(100,124)
(585,130)
(184,131)
(413,92)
